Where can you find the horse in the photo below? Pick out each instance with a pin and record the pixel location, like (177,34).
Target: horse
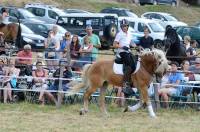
(12,33)
(175,50)
(100,74)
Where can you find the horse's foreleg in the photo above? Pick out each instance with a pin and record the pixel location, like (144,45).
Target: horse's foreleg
(87,94)
(102,99)
(145,98)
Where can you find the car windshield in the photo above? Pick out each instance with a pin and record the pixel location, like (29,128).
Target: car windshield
(156,27)
(171,18)
(26,13)
(131,14)
(60,12)
(25,29)
(132,24)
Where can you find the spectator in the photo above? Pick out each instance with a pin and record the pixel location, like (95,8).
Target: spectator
(74,52)
(53,45)
(39,80)
(55,34)
(171,87)
(10,80)
(86,51)
(196,67)
(94,39)
(39,58)
(25,56)
(67,74)
(188,75)
(24,61)
(192,50)
(119,93)
(189,50)
(65,43)
(146,41)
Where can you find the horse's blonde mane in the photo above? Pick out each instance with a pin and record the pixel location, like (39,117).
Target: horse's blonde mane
(160,56)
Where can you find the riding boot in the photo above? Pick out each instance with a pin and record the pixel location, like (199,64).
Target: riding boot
(127,77)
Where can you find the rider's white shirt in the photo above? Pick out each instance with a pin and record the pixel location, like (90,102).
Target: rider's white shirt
(124,39)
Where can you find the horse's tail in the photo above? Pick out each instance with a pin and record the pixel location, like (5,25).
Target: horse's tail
(80,85)
(19,31)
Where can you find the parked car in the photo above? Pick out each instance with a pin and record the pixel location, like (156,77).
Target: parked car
(155,2)
(167,18)
(47,13)
(138,24)
(22,14)
(38,28)
(104,25)
(75,11)
(192,31)
(29,37)
(121,12)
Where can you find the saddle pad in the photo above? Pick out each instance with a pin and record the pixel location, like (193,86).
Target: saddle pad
(118,68)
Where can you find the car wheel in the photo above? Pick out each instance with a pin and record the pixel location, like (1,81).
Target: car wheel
(110,31)
(159,44)
(155,2)
(173,4)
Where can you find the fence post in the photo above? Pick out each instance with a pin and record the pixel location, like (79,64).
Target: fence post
(156,96)
(60,84)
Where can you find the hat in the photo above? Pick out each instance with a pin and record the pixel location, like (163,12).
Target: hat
(88,27)
(28,47)
(175,63)
(197,60)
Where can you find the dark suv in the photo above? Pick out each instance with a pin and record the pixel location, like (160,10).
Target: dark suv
(104,25)
(155,2)
(121,12)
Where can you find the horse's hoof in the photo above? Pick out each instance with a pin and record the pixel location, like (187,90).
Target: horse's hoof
(126,109)
(81,112)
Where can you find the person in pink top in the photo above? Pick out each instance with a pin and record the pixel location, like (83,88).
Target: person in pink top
(24,60)
(25,56)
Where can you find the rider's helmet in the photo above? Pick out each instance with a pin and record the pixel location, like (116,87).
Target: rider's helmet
(3,10)
(124,22)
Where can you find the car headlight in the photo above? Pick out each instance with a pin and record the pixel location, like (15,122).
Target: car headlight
(28,40)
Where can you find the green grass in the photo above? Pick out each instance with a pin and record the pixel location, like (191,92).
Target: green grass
(25,117)
(189,15)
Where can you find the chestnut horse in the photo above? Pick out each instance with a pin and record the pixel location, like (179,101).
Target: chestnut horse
(12,33)
(100,74)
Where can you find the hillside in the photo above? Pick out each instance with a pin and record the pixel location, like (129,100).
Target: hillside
(189,14)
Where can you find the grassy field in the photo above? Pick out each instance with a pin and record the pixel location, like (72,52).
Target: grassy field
(189,15)
(25,117)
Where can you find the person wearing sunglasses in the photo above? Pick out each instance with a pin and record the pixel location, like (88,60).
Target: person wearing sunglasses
(122,43)
(66,41)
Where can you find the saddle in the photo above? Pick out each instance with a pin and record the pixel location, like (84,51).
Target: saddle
(118,66)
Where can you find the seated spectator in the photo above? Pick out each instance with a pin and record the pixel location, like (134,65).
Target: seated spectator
(24,60)
(171,87)
(67,74)
(39,58)
(10,80)
(25,56)
(193,51)
(53,45)
(196,67)
(187,40)
(74,52)
(39,80)
(86,51)
(188,75)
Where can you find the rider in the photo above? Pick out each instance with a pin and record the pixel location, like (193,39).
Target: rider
(122,44)
(4,16)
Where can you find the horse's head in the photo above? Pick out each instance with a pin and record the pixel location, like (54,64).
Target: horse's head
(171,39)
(155,62)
